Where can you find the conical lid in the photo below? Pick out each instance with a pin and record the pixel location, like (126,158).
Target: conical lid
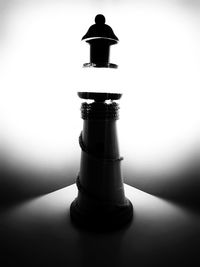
(100,30)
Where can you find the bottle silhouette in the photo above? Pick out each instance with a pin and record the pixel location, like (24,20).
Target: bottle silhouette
(101,203)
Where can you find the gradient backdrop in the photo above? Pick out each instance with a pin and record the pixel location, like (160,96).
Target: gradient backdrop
(41,59)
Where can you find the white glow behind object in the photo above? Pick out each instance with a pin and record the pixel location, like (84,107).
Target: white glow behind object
(158,58)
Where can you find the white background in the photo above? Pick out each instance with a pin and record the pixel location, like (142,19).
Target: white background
(41,59)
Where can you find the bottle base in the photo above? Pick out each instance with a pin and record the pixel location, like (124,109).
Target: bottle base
(101,220)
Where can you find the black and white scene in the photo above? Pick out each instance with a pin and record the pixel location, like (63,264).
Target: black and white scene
(99,133)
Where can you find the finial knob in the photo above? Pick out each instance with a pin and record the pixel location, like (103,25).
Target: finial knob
(100,19)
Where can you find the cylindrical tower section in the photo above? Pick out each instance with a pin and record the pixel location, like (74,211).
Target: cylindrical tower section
(100,168)
(101,202)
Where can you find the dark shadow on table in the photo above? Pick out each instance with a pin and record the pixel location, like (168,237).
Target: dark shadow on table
(39,232)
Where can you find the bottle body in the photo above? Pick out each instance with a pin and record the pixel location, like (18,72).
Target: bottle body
(101,201)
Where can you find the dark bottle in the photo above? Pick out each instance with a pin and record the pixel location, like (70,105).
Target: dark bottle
(101,203)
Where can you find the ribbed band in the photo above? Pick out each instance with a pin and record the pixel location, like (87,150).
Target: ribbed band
(99,111)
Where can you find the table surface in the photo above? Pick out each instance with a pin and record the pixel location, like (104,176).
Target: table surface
(38,232)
